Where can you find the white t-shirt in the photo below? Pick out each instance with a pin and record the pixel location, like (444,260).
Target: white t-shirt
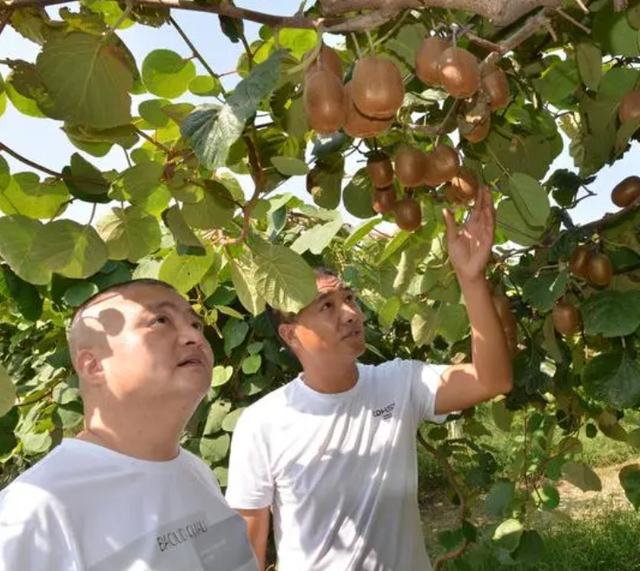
(87,508)
(339,470)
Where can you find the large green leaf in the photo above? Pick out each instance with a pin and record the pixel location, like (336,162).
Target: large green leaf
(530,548)
(87,78)
(93,187)
(26,195)
(211,132)
(26,295)
(613,32)
(500,498)
(70,249)
(5,173)
(508,534)
(185,272)
(214,450)
(219,409)
(530,199)
(581,476)
(630,481)
(589,58)
(178,227)
(324,182)
(317,238)
(283,279)
(453,322)
(140,181)
(17,236)
(129,234)
(299,42)
(423,326)
(617,81)
(544,289)
(215,210)
(243,275)
(613,378)
(7,392)
(167,74)
(357,195)
(511,223)
(611,313)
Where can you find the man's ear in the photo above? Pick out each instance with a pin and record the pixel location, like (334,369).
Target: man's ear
(287,332)
(89,367)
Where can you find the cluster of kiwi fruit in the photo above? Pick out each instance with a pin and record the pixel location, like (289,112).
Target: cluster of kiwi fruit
(626,192)
(415,168)
(592,266)
(363,107)
(459,72)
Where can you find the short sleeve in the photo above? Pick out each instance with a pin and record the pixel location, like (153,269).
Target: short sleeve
(250,482)
(425,382)
(37,539)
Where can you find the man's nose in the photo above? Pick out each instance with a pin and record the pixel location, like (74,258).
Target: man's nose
(190,335)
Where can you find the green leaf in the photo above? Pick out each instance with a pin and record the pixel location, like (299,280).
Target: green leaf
(550,342)
(36,443)
(86,191)
(440,284)
(394,245)
(283,279)
(205,86)
(251,364)
(530,199)
(633,14)
(357,195)
(140,181)
(581,476)
(508,534)
(215,210)
(87,79)
(230,421)
(234,333)
(5,174)
(611,313)
(614,378)
(499,499)
(217,412)
(151,111)
(214,450)
(26,295)
(7,392)
(514,227)
(624,134)
(26,105)
(26,195)
(298,42)
(530,550)
(179,228)
(17,236)
(630,481)
(324,183)
(166,74)
(70,249)
(454,322)
(129,234)
(389,312)
(502,416)
(360,232)
(549,496)
(77,294)
(221,375)
(317,238)
(211,133)
(290,166)
(233,28)
(243,275)
(559,81)
(613,32)
(589,58)
(423,326)
(617,81)
(185,272)
(543,290)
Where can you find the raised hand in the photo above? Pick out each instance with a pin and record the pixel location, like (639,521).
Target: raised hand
(470,246)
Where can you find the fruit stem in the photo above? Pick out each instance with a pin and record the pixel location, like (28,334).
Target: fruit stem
(356,45)
(372,46)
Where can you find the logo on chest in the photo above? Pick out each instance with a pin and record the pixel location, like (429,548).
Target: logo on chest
(386,413)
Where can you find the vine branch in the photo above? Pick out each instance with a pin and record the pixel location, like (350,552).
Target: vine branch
(4,19)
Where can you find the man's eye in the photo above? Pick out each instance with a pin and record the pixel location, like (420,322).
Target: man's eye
(327,305)
(160,320)
(198,325)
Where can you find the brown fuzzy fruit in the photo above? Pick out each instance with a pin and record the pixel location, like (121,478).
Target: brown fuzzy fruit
(384,200)
(566,318)
(325,102)
(503,307)
(466,184)
(479,132)
(427,60)
(377,87)
(452,195)
(408,214)
(380,170)
(443,164)
(630,106)
(327,60)
(600,270)
(580,262)
(626,191)
(360,127)
(410,167)
(459,72)
(496,86)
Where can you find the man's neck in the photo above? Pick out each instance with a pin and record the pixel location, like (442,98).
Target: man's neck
(330,378)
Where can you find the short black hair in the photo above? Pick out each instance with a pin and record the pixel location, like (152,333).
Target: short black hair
(277,317)
(118,288)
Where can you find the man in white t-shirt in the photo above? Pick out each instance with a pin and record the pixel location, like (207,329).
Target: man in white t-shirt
(333,454)
(123,495)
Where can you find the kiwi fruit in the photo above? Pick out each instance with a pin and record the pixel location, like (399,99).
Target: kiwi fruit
(566,318)
(408,215)
(629,106)
(466,184)
(442,164)
(452,195)
(410,167)
(384,200)
(380,170)
(459,72)
(496,86)
(327,59)
(626,191)
(377,87)
(325,102)
(580,261)
(503,307)
(479,131)
(600,270)
(360,127)
(427,60)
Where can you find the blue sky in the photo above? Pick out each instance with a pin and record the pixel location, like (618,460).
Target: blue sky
(42,140)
